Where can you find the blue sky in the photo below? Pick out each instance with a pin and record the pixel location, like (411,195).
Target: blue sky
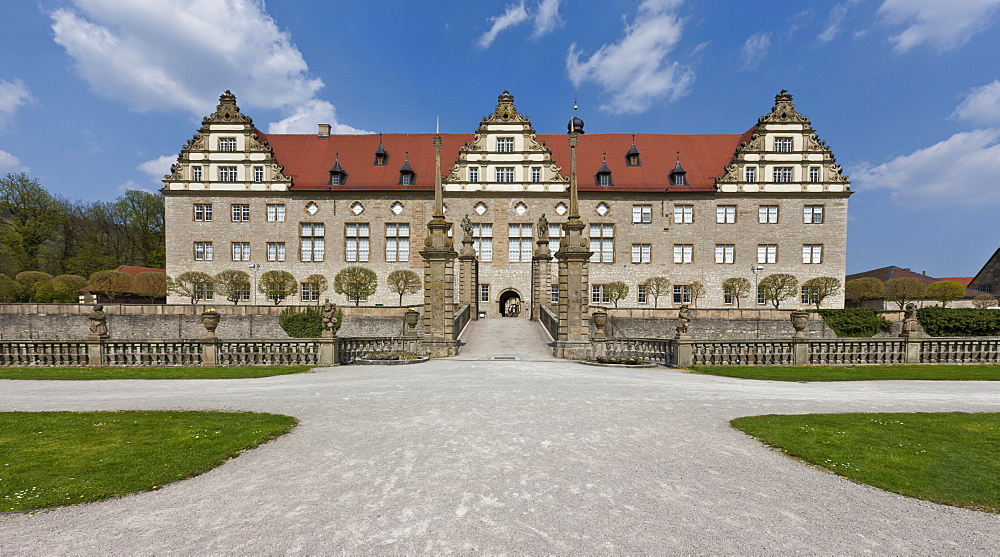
(97,96)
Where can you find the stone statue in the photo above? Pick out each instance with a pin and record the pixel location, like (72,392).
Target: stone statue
(683,320)
(910,323)
(329,318)
(543,227)
(466,227)
(98,322)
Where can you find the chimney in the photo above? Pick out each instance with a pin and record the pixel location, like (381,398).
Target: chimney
(924,272)
(324,131)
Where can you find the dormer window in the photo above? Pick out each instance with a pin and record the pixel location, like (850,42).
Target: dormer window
(381,156)
(407,177)
(678,174)
(632,157)
(603,176)
(337,174)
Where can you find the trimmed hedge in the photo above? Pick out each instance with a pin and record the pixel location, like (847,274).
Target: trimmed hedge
(959,322)
(855,322)
(306,323)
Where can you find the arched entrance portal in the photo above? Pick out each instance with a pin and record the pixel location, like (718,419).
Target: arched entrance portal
(510,304)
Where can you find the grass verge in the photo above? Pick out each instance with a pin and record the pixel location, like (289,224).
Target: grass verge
(856,373)
(948,458)
(121,372)
(49,459)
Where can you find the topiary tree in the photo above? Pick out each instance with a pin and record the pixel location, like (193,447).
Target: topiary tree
(150,284)
(318,284)
(232,283)
(32,281)
(191,284)
(984,301)
(697,291)
(11,291)
(944,291)
(277,285)
(902,290)
(63,289)
(616,290)
(111,283)
(356,282)
(821,288)
(779,287)
(738,288)
(656,287)
(403,281)
(865,288)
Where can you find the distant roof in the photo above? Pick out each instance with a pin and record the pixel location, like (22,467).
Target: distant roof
(891,272)
(964,281)
(133,270)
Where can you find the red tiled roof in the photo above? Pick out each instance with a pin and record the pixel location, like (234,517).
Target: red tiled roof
(964,281)
(133,271)
(308,159)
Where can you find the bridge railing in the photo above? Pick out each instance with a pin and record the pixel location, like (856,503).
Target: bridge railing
(549,320)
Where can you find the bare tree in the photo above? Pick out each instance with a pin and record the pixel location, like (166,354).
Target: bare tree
(232,284)
(616,290)
(738,288)
(318,284)
(192,284)
(404,281)
(656,287)
(821,288)
(697,291)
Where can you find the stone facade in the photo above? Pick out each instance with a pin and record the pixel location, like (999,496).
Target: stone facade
(267,194)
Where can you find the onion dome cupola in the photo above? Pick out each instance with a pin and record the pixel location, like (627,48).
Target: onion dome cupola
(407,177)
(576,124)
(381,156)
(603,176)
(678,176)
(338,176)
(632,157)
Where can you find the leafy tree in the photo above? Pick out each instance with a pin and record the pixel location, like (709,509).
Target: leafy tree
(902,290)
(319,285)
(11,291)
(232,283)
(404,281)
(150,284)
(32,281)
(821,288)
(656,287)
(865,288)
(191,284)
(779,287)
(738,288)
(697,291)
(28,215)
(61,289)
(945,291)
(138,216)
(984,301)
(277,285)
(616,290)
(110,283)
(356,282)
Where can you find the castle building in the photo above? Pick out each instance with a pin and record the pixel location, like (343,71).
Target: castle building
(691,208)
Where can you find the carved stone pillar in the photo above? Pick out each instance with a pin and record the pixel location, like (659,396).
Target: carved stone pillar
(573,340)
(467,276)
(540,274)
(439,275)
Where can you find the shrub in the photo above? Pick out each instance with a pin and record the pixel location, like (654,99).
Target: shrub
(302,324)
(855,322)
(984,301)
(959,322)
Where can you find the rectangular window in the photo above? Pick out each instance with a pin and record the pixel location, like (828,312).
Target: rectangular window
(640,292)
(203,212)
(554,293)
(227,173)
(484,293)
(312,244)
(405,180)
(808,295)
(356,236)
(783,144)
(725,214)
(682,294)
(683,214)
(683,253)
(241,251)
(598,294)
(204,291)
(761,297)
(767,253)
(519,243)
(482,241)
(727,296)
(397,241)
(473,173)
(604,180)
(536,174)
(362,299)
(243,291)
(555,233)
(725,253)
(782,174)
(812,253)
(275,251)
(275,212)
(814,174)
(195,173)
(258,174)
(751,173)
(642,214)
(203,251)
(505,173)
(767,214)
(240,212)
(227,144)
(309,292)
(640,253)
(505,145)
(602,243)
(812,214)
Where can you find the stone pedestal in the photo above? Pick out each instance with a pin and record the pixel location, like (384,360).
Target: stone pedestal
(800,351)
(439,291)
(95,354)
(540,277)
(573,340)
(328,351)
(210,351)
(684,354)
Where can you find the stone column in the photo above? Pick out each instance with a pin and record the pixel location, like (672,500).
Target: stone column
(439,275)
(573,340)
(540,273)
(467,274)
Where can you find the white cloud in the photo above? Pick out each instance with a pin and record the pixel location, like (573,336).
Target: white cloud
(13,94)
(835,21)
(981,105)
(158,167)
(547,18)
(942,25)
(180,54)
(515,15)
(635,71)
(10,163)
(960,170)
(755,50)
(131,185)
(307,115)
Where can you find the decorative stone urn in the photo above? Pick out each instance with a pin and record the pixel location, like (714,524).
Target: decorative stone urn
(800,319)
(600,319)
(210,319)
(411,317)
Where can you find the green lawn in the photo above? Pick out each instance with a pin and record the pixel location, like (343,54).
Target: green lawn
(49,459)
(856,373)
(950,458)
(122,372)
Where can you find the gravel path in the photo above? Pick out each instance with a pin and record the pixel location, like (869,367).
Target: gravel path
(526,456)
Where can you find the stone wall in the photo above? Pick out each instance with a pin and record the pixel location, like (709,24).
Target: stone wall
(710,324)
